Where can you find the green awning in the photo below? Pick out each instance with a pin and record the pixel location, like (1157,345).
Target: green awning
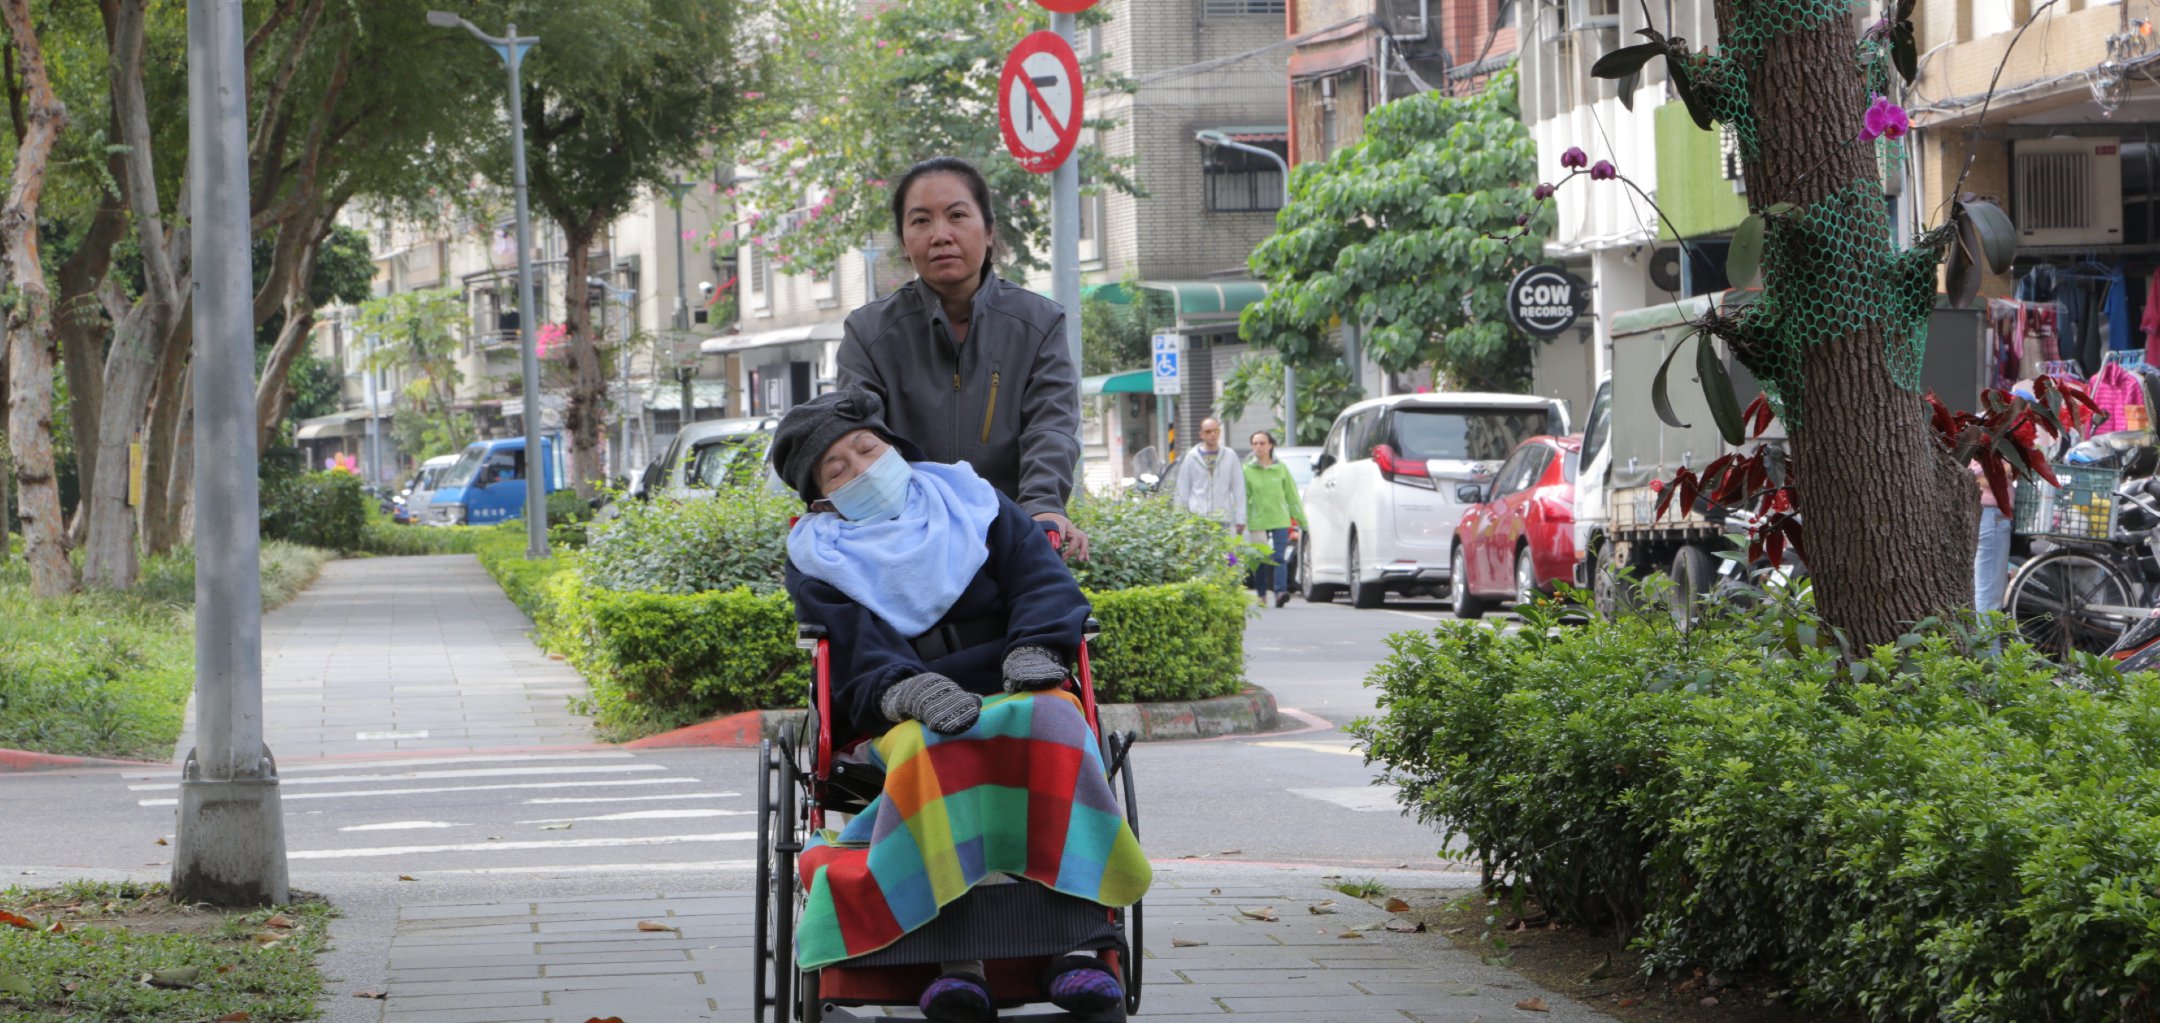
(1210,301)
(1137,381)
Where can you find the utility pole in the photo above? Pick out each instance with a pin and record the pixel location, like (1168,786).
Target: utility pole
(1289,372)
(511,48)
(230,846)
(1065,221)
(688,371)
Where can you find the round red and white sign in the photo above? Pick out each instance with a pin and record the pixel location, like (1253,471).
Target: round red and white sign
(1039,101)
(1065,6)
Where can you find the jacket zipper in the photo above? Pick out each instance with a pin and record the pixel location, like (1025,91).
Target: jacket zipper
(990,409)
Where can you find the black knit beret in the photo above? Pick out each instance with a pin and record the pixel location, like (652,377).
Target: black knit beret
(811,427)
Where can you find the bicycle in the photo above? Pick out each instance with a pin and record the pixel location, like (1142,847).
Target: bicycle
(2091,585)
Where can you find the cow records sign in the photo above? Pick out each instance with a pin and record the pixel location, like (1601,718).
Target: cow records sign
(1544,300)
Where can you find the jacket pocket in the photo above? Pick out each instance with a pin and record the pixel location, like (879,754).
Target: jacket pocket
(990,406)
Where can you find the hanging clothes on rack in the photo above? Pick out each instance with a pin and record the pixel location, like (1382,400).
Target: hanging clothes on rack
(2113,389)
(2062,368)
(2151,322)
(2115,311)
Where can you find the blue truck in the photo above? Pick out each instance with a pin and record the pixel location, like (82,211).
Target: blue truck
(486,484)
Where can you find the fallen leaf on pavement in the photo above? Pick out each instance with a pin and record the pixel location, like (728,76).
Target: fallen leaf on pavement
(1331,877)
(1214,891)
(163,842)
(56,928)
(1465,992)
(227,968)
(1185,943)
(378,995)
(12,920)
(648,925)
(1351,934)
(1395,905)
(235,1017)
(177,977)
(1317,908)
(555,827)
(1263,913)
(1709,1001)
(280,920)
(1532,1004)
(268,938)
(406,877)
(1401,926)
(610,1019)
(1629,1003)
(1231,852)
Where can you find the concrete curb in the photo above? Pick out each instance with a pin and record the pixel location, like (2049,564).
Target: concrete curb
(1249,712)
(14,761)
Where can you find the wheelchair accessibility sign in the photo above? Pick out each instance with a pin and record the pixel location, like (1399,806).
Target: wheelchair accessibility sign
(1169,351)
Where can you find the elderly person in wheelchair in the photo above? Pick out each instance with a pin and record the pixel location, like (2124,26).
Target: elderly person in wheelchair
(951,622)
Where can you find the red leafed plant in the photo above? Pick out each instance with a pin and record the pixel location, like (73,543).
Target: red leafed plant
(1758,483)
(2001,439)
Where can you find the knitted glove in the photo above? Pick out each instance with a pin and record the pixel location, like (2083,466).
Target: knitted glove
(1032,667)
(936,701)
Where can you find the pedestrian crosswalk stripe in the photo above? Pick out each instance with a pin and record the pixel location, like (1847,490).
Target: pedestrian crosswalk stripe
(1316,747)
(561,843)
(1362,798)
(403,826)
(633,799)
(424,776)
(377,764)
(644,815)
(615,869)
(422,790)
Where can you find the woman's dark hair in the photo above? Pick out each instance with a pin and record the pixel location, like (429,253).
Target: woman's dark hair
(1263,433)
(966,171)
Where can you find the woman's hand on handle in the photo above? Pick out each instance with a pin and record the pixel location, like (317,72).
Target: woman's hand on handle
(1076,542)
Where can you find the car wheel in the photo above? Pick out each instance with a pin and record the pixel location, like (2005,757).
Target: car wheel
(1313,592)
(1610,594)
(1526,587)
(1362,594)
(1693,576)
(1468,606)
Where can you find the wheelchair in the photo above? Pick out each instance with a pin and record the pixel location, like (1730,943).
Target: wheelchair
(1015,929)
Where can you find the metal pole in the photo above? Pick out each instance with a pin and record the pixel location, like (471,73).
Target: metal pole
(1065,224)
(374,407)
(1216,138)
(676,190)
(537,464)
(230,844)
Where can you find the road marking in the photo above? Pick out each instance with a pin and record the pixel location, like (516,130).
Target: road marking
(378,764)
(403,826)
(633,799)
(369,736)
(603,868)
(560,843)
(644,815)
(1412,614)
(493,772)
(1362,798)
(291,796)
(1316,747)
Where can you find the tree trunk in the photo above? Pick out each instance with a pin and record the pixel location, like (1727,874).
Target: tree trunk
(180,482)
(29,319)
(586,413)
(1887,543)
(80,325)
(305,236)
(159,522)
(7,460)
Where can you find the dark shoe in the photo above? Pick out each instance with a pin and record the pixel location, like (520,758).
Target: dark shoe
(958,997)
(1080,985)
(1282,598)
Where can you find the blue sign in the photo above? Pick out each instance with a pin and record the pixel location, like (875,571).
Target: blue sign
(1168,350)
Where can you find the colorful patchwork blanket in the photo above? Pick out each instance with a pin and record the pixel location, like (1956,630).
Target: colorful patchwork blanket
(1021,793)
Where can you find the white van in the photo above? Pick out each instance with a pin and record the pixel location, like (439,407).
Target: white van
(421,489)
(1382,501)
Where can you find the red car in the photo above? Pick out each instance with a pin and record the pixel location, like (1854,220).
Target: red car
(1518,539)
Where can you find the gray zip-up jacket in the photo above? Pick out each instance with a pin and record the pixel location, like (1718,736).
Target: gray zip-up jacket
(1006,401)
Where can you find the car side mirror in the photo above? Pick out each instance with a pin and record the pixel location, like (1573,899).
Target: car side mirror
(1470,493)
(1321,463)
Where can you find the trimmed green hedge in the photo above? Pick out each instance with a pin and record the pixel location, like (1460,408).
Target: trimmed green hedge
(315,509)
(1182,641)
(385,537)
(1924,833)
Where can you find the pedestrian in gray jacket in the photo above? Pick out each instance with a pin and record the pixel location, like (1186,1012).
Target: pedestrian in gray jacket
(972,368)
(1211,479)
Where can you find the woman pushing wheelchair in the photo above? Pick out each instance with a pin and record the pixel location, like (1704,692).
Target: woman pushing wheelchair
(951,623)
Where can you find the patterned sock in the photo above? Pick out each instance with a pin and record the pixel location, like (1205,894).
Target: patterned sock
(1085,989)
(957,998)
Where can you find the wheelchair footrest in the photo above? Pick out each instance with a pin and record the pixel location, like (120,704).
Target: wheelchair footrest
(1048,1015)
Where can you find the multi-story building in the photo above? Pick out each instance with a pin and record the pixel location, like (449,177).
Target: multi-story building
(636,306)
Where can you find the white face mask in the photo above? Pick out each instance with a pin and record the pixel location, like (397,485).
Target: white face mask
(878,494)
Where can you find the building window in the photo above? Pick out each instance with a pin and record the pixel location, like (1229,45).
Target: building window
(759,285)
(1241,182)
(1240,8)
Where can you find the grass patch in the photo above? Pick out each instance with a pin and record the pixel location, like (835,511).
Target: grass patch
(88,948)
(1366,888)
(108,674)
(387,538)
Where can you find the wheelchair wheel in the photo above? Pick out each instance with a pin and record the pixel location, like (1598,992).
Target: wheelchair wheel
(773,924)
(1122,744)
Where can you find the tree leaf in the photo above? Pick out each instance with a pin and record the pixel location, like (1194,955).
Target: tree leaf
(1660,395)
(1998,236)
(1717,387)
(1627,60)
(1904,53)
(1685,86)
(1743,260)
(1627,88)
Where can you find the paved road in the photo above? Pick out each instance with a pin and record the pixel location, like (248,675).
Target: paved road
(506,801)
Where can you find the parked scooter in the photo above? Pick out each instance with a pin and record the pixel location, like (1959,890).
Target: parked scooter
(1147,473)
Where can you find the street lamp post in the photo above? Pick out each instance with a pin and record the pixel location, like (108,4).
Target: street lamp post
(688,371)
(622,366)
(870,254)
(511,48)
(1289,373)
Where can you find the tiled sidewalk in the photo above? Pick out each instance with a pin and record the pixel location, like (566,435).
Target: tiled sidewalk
(569,960)
(383,655)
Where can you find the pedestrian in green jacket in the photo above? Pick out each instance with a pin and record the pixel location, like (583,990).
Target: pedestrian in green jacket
(1272,509)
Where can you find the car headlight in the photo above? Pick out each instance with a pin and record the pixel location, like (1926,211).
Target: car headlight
(451,514)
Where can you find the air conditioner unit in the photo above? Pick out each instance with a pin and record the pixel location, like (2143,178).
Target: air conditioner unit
(2067,191)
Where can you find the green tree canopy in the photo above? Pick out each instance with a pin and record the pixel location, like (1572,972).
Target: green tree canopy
(870,94)
(1410,232)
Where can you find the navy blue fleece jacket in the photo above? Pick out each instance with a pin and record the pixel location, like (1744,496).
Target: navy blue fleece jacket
(1024,582)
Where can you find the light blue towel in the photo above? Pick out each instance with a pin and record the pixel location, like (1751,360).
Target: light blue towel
(909,569)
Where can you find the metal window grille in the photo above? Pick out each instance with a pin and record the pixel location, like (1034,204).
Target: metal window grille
(1242,183)
(1240,8)
(2053,191)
